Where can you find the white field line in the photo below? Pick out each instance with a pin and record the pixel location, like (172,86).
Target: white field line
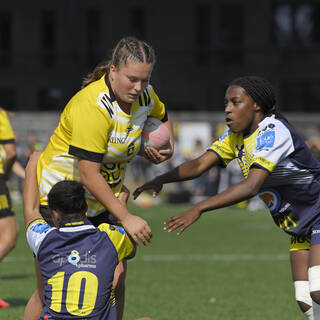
(192,257)
(214,257)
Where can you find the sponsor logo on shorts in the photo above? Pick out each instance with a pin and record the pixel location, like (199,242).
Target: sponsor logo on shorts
(271,198)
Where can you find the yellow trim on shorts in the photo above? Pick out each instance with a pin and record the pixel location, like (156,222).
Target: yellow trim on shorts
(299,243)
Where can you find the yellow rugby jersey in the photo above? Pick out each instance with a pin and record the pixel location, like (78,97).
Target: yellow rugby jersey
(259,148)
(93,127)
(6,136)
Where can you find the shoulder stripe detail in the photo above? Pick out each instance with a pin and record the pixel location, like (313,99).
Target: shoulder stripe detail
(7,141)
(144,98)
(107,102)
(85,154)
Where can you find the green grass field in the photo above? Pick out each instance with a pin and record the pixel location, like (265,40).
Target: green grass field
(232,265)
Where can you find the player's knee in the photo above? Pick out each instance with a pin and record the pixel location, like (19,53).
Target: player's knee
(314,283)
(9,242)
(302,294)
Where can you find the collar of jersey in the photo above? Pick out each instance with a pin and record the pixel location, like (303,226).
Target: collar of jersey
(106,79)
(75,223)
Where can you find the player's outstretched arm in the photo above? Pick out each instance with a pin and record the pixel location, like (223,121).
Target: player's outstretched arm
(186,171)
(241,191)
(31,200)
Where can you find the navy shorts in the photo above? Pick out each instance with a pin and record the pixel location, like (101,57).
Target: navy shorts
(315,235)
(104,217)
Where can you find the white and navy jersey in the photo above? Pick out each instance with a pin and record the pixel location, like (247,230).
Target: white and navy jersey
(77,263)
(292,190)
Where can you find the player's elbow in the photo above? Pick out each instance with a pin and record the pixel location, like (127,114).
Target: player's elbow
(252,188)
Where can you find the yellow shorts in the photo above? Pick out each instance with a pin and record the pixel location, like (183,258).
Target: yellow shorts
(299,243)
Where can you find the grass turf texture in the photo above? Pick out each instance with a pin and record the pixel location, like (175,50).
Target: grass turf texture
(231,264)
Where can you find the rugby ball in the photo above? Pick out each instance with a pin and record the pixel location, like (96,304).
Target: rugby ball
(154,134)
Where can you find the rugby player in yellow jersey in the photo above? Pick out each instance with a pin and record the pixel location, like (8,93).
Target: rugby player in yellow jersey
(98,134)
(276,164)
(8,225)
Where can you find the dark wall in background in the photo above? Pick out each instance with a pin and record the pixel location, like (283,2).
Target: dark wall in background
(47,47)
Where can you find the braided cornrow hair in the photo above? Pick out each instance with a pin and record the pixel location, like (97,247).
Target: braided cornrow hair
(261,91)
(127,48)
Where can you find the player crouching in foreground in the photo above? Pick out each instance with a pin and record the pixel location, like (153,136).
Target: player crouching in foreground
(76,260)
(277,165)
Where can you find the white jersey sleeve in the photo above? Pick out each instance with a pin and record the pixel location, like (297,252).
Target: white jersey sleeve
(36,233)
(274,144)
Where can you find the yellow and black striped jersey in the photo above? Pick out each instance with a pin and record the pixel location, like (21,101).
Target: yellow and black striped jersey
(6,136)
(93,127)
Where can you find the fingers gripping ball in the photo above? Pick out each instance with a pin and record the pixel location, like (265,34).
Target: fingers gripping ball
(154,134)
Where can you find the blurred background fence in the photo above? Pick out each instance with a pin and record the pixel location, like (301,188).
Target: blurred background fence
(194,133)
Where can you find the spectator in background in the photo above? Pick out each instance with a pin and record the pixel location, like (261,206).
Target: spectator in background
(8,225)
(314,144)
(23,154)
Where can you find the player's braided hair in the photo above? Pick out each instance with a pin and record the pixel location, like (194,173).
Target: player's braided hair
(260,90)
(68,197)
(127,48)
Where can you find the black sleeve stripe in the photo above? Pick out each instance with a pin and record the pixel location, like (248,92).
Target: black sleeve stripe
(86,155)
(258,166)
(7,141)
(165,117)
(222,163)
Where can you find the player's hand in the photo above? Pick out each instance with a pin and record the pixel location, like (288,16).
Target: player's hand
(137,228)
(182,221)
(154,186)
(124,195)
(155,156)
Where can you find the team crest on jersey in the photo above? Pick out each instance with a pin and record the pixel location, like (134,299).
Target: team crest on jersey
(271,198)
(240,152)
(130,149)
(266,140)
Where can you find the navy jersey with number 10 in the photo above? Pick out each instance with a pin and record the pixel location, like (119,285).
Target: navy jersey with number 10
(77,263)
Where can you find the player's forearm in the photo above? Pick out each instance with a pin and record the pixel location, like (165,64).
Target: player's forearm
(100,189)
(234,194)
(186,171)
(170,129)
(31,200)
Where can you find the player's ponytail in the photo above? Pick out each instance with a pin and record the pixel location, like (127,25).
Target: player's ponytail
(127,48)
